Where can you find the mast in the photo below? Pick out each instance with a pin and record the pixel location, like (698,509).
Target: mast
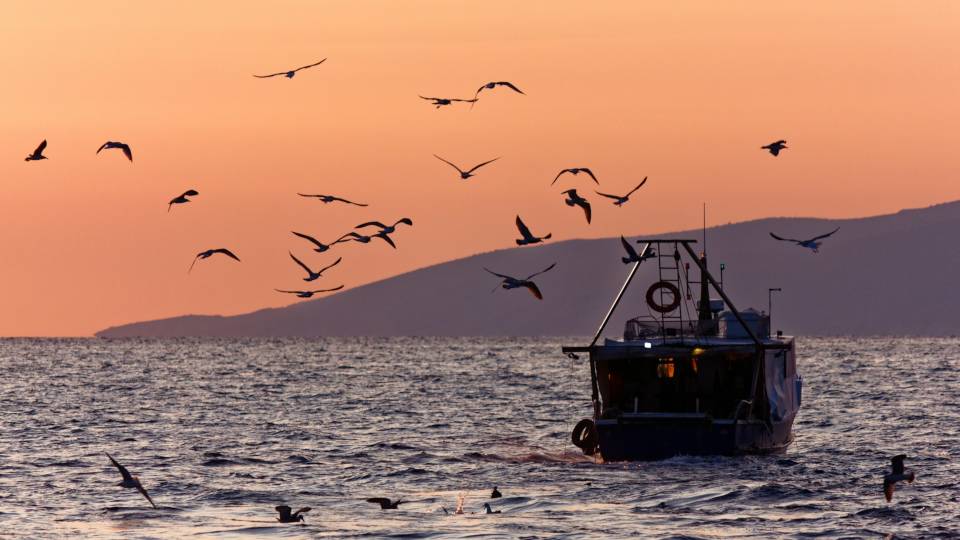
(703,307)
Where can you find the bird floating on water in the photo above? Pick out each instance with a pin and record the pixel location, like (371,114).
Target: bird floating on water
(38,153)
(320,246)
(286,516)
(130,481)
(330,199)
(465,174)
(311,275)
(775,147)
(632,255)
(122,146)
(291,73)
(385,503)
(809,244)
(573,199)
(514,283)
(440,102)
(528,237)
(211,252)
(575,171)
(494,84)
(488,510)
(495,494)
(182,198)
(309,294)
(620,200)
(897,474)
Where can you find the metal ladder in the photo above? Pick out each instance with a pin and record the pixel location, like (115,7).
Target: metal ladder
(668,270)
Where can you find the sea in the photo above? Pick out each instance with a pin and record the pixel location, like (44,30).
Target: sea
(220,431)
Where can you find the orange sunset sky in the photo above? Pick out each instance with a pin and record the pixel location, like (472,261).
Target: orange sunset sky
(865,92)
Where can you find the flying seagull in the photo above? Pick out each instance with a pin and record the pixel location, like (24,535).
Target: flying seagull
(574,199)
(575,171)
(528,237)
(492,85)
(617,199)
(385,230)
(211,252)
(775,147)
(308,294)
(495,494)
(488,510)
(311,275)
(440,102)
(513,283)
(287,517)
(289,74)
(465,174)
(385,503)
(130,481)
(182,198)
(365,239)
(897,474)
(320,246)
(632,255)
(330,199)
(122,146)
(38,153)
(809,244)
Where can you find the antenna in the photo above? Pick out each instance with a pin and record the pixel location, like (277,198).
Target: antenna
(704,228)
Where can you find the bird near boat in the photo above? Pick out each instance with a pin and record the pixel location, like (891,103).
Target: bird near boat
(812,244)
(331,198)
(573,199)
(494,84)
(309,294)
(527,283)
(528,237)
(632,255)
(319,246)
(291,73)
(37,154)
(575,171)
(114,144)
(897,474)
(311,275)
(182,198)
(488,510)
(495,494)
(385,503)
(286,516)
(620,200)
(441,102)
(129,481)
(775,147)
(464,175)
(211,252)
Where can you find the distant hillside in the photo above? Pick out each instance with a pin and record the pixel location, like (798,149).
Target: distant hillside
(894,274)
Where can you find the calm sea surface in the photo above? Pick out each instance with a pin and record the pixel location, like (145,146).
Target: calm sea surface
(221,431)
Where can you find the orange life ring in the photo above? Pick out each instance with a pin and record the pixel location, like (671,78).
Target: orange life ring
(669,287)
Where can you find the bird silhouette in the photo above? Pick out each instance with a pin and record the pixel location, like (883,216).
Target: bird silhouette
(632,255)
(575,171)
(510,282)
(386,504)
(311,275)
(181,199)
(488,510)
(330,199)
(211,252)
(386,230)
(320,247)
(440,102)
(291,73)
(619,200)
(576,200)
(130,481)
(495,494)
(309,294)
(492,85)
(465,174)
(122,146)
(38,153)
(812,243)
(528,237)
(286,516)
(775,147)
(897,474)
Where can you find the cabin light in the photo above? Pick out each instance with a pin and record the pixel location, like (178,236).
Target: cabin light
(647,345)
(697,351)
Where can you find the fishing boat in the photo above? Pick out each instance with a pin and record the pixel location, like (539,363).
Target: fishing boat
(688,378)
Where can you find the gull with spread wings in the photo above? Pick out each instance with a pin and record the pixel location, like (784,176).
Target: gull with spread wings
(210,253)
(122,146)
(575,171)
(385,230)
(775,147)
(573,199)
(510,282)
(632,255)
(291,73)
(130,481)
(38,153)
(620,200)
(813,243)
(287,516)
(465,174)
(311,275)
(440,102)
(330,198)
(182,198)
(494,84)
(528,237)
(320,246)
(308,294)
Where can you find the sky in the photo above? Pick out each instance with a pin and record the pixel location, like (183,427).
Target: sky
(682,92)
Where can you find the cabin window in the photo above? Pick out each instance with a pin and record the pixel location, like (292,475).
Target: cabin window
(665,368)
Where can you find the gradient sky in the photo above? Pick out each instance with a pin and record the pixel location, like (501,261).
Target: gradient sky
(865,92)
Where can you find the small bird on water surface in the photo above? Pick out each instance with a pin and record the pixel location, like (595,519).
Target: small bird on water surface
(286,516)
(330,198)
(440,102)
(182,198)
(130,481)
(309,294)
(897,474)
(495,494)
(464,175)
(775,147)
(488,510)
(620,200)
(311,275)
(291,73)
(573,199)
(575,171)
(514,283)
(38,153)
(122,146)
(385,503)
(812,243)
(211,252)
(528,237)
